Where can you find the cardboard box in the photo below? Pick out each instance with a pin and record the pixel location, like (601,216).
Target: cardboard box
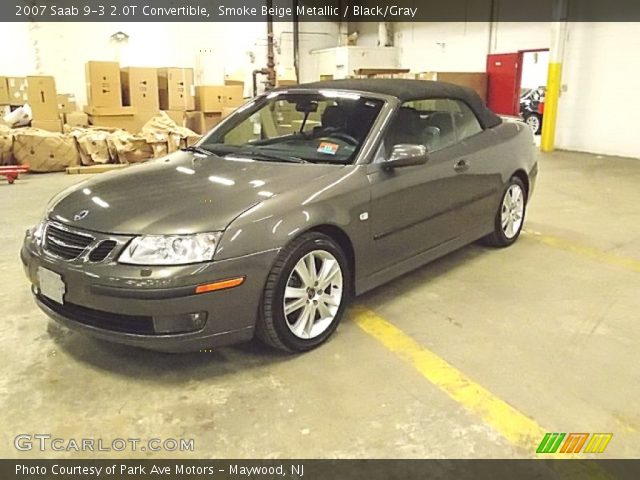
(177,116)
(213,98)
(76,119)
(45,151)
(210,121)
(234,96)
(226,111)
(130,123)
(17,87)
(43,99)
(175,89)
(67,103)
(4,91)
(109,111)
(49,125)
(194,121)
(140,88)
(201,122)
(474,80)
(103,84)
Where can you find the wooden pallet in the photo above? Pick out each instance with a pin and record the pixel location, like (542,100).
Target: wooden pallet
(96,168)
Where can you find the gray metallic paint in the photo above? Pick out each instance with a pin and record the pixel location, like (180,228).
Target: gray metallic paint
(415,214)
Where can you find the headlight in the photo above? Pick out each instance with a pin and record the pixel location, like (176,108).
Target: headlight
(171,249)
(37,232)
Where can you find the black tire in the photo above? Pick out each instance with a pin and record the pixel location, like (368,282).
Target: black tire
(531,117)
(272,326)
(498,238)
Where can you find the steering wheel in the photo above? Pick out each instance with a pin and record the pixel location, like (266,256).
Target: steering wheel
(344,136)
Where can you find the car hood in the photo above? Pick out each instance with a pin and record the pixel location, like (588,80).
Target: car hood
(182,193)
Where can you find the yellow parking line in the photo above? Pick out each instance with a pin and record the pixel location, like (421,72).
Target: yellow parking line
(586,251)
(519,429)
(516,427)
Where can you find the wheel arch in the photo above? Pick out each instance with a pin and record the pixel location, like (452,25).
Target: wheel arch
(522,175)
(341,237)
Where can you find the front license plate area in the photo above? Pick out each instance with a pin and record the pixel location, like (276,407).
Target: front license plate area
(51,285)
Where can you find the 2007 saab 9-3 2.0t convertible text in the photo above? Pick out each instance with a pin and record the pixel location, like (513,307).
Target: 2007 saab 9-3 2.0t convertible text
(299,200)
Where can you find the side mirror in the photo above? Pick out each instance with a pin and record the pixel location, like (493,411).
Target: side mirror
(407,155)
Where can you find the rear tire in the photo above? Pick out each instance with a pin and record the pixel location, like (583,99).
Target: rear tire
(510,216)
(305,295)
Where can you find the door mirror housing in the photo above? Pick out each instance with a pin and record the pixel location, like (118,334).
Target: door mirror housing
(407,155)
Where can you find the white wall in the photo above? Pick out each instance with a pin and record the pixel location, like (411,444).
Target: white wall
(61,49)
(456,46)
(598,111)
(535,69)
(17,58)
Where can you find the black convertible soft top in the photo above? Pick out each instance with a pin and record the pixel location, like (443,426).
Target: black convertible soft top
(405,90)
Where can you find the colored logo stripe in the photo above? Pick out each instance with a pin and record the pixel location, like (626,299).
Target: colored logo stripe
(598,442)
(574,442)
(550,443)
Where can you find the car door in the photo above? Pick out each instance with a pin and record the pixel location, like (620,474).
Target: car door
(413,209)
(477,173)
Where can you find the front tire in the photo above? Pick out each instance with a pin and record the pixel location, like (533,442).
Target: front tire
(509,218)
(534,120)
(305,295)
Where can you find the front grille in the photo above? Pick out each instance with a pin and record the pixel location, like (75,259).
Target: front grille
(115,322)
(65,243)
(101,252)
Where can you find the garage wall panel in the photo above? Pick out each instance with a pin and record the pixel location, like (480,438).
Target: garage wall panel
(599,104)
(17,58)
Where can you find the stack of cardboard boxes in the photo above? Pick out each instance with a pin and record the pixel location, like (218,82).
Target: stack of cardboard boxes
(213,103)
(140,91)
(43,99)
(104,96)
(129,97)
(126,98)
(68,109)
(176,93)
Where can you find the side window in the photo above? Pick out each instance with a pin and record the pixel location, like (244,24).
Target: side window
(428,122)
(465,120)
(433,122)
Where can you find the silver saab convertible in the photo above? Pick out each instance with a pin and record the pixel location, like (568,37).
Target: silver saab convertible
(301,199)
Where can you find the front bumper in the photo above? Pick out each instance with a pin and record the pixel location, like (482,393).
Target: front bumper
(137,305)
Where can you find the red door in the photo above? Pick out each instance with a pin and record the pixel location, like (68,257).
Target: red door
(503,83)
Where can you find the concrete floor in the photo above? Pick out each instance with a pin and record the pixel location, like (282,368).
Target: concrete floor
(550,326)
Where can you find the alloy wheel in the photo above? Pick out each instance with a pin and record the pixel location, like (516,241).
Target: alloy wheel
(313,294)
(533,122)
(512,213)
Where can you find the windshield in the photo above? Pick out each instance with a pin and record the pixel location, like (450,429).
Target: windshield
(320,127)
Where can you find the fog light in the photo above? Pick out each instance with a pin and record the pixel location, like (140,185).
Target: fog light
(181,323)
(199,319)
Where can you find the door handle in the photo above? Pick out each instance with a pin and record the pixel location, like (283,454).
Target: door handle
(461,166)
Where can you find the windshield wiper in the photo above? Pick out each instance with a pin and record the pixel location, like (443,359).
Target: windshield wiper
(269,156)
(197,149)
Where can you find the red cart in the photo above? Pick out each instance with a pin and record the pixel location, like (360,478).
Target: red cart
(12,171)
